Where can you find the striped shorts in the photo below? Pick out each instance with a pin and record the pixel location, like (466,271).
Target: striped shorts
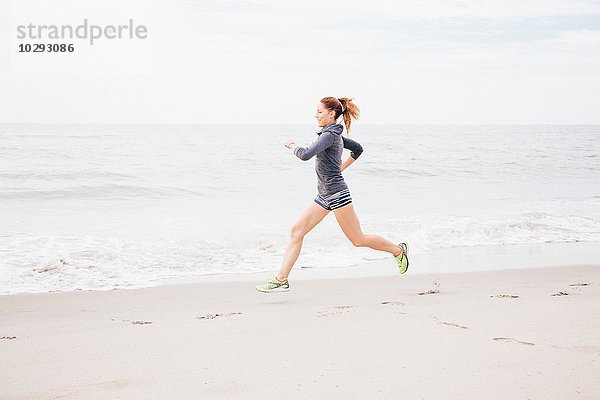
(336,200)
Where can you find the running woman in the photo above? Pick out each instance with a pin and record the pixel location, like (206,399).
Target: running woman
(333,193)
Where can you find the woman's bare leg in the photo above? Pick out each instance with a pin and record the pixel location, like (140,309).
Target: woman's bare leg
(311,217)
(348,221)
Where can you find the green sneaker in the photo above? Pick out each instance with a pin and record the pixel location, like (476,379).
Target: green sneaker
(402,258)
(274,285)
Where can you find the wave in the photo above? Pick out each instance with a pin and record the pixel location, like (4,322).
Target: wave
(520,228)
(103,191)
(67,261)
(44,175)
(367,170)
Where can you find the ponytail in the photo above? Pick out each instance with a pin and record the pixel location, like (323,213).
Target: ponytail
(342,106)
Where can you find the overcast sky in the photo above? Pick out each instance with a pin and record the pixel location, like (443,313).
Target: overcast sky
(409,62)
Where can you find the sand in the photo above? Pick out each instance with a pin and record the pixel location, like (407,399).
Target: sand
(510,334)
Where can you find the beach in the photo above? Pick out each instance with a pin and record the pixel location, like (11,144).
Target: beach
(506,334)
(161,160)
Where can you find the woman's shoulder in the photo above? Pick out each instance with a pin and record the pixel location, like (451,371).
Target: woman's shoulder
(333,128)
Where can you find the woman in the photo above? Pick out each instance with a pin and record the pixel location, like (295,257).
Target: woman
(333,193)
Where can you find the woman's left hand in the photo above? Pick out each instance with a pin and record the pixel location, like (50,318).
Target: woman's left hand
(290,144)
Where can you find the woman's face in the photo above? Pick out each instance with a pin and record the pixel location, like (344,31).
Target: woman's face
(324,116)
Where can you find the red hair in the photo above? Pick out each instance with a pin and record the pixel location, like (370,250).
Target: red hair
(342,106)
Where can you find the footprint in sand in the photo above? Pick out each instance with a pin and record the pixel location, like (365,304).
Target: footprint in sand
(332,311)
(432,291)
(114,384)
(435,290)
(560,294)
(509,339)
(213,316)
(454,325)
(134,322)
(7,337)
(393,303)
(508,296)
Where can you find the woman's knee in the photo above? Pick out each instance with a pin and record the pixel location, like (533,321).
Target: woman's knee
(297,233)
(358,241)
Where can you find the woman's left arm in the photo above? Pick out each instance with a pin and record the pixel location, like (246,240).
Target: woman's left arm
(352,145)
(347,163)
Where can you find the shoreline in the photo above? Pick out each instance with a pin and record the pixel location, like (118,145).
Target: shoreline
(459,260)
(519,333)
(436,261)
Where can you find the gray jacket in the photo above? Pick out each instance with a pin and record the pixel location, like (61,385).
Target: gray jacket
(328,149)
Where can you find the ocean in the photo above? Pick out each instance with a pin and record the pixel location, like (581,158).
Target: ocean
(123,206)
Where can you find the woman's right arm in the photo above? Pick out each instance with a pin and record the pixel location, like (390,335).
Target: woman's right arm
(324,141)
